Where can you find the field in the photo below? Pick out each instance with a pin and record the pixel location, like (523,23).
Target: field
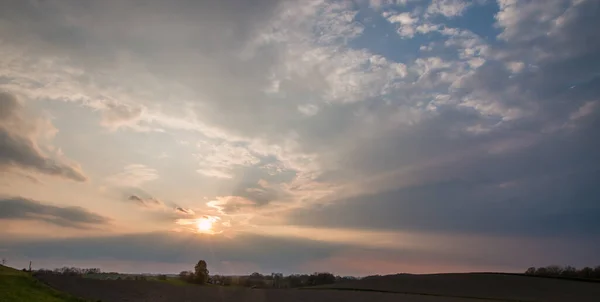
(156,291)
(20,286)
(500,287)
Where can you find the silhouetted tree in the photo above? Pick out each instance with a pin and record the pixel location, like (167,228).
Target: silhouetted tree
(586,272)
(201,272)
(321,278)
(568,271)
(277,280)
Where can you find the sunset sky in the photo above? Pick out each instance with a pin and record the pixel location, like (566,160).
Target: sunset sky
(357,137)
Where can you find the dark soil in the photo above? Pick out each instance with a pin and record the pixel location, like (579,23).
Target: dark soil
(492,286)
(155,291)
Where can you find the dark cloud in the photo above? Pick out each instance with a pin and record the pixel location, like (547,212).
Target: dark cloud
(72,217)
(273,254)
(290,255)
(542,185)
(549,31)
(162,210)
(146,202)
(18,147)
(184,211)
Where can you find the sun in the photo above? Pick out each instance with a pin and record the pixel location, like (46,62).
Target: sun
(204,224)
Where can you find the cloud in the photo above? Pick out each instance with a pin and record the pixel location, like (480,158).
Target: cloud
(271,254)
(515,67)
(335,112)
(184,211)
(308,109)
(557,29)
(447,8)
(300,255)
(115,115)
(19,135)
(406,23)
(146,202)
(133,175)
(583,111)
(219,160)
(230,204)
(71,217)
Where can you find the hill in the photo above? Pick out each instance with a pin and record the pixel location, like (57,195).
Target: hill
(18,286)
(504,287)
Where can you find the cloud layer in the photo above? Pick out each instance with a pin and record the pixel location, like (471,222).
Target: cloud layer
(456,118)
(18,142)
(27,209)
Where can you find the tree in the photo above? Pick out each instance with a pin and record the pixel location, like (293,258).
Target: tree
(277,279)
(569,271)
(321,278)
(3,261)
(186,276)
(201,272)
(554,270)
(586,272)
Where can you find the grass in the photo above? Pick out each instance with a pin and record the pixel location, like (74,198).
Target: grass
(18,286)
(174,281)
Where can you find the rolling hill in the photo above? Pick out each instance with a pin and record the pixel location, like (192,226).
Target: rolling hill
(18,286)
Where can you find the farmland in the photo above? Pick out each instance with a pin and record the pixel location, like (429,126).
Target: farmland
(22,286)
(409,288)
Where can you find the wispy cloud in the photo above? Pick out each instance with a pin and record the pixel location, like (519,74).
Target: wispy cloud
(133,175)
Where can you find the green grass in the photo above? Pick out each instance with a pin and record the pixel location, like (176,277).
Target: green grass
(174,281)
(18,286)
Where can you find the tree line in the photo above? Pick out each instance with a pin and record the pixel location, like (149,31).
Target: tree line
(565,271)
(201,275)
(70,271)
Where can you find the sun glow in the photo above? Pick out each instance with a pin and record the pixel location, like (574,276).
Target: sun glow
(204,224)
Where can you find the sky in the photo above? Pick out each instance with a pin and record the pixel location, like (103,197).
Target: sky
(354,136)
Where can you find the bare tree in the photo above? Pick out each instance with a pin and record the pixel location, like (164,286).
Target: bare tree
(3,261)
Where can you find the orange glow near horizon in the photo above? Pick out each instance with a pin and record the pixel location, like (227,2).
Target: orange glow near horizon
(204,224)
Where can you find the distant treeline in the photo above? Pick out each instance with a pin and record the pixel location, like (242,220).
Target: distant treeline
(95,273)
(565,271)
(201,275)
(70,271)
(278,280)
